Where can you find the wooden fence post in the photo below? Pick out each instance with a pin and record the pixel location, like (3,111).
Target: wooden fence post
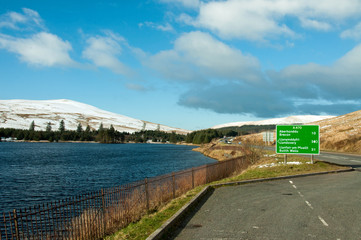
(173,181)
(16,225)
(146,192)
(192,178)
(103,205)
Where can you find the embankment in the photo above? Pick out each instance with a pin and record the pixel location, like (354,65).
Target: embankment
(220,151)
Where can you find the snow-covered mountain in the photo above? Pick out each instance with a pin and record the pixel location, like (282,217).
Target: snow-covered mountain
(299,119)
(20,113)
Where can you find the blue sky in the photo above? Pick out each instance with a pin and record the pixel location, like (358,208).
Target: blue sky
(185,63)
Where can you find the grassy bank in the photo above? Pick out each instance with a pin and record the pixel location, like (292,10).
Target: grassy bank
(269,165)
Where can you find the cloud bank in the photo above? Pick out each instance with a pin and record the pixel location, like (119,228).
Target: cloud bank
(296,89)
(259,20)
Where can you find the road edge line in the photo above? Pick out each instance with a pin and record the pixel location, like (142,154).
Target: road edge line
(279,178)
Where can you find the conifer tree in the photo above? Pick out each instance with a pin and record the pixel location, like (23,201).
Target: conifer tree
(79,129)
(101,128)
(62,126)
(48,127)
(173,138)
(32,126)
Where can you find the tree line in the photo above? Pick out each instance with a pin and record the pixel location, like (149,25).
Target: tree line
(102,135)
(206,136)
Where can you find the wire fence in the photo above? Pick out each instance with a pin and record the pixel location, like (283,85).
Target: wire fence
(97,214)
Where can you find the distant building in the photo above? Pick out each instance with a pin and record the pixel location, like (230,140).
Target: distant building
(9,139)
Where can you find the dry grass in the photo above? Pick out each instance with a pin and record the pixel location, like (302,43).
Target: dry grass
(342,133)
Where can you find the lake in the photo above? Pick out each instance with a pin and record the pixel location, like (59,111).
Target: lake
(34,173)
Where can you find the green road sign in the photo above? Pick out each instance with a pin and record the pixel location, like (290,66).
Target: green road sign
(298,139)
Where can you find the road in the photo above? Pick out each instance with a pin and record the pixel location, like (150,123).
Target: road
(351,160)
(345,159)
(317,207)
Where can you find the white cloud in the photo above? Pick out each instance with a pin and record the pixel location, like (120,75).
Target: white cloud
(264,19)
(353,33)
(318,25)
(42,49)
(20,21)
(103,51)
(185,3)
(197,56)
(165,28)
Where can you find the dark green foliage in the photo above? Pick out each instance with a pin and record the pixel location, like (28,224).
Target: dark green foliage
(62,126)
(173,138)
(48,127)
(79,129)
(155,136)
(206,136)
(245,129)
(32,126)
(203,136)
(103,135)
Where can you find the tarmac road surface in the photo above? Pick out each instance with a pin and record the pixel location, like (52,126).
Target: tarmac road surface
(316,207)
(346,159)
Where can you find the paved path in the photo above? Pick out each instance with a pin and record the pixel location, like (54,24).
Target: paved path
(317,207)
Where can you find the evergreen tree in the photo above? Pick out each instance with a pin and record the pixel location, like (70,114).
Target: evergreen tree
(32,126)
(173,138)
(79,129)
(87,135)
(48,127)
(111,135)
(62,126)
(101,128)
(101,134)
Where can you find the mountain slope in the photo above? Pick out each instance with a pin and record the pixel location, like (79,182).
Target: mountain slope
(299,119)
(20,113)
(342,133)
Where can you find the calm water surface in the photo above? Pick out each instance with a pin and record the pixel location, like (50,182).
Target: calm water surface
(34,173)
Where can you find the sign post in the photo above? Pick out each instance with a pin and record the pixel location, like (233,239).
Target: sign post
(298,139)
(268,137)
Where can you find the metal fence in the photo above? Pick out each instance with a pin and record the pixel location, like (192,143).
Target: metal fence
(96,214)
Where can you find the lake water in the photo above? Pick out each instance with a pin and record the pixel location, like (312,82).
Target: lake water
(34,173)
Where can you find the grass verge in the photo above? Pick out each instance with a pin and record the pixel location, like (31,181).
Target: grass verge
(151,222)
(268,166)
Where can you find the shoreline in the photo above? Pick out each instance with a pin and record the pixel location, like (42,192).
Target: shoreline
(46,141)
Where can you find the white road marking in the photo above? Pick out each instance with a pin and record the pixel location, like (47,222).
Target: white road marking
(300,194)
(291,182)
(323,221)
(294,186)
(309,204)
(355,161)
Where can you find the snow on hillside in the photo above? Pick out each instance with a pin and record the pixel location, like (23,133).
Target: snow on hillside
(20,113)
(299,119)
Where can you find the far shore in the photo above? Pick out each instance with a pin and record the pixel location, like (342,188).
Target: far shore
(46,141)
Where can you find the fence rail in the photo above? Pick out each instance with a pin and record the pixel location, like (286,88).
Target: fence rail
(96,214)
